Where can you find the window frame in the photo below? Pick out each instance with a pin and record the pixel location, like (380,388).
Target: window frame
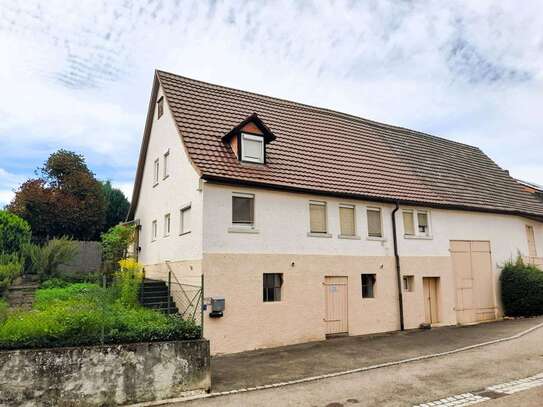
(265,294)
(156,172)
(160,107)
(252,137)
(408,283)
(165,168)
(182,211)
(355,228)
(154,230)
(417,234)
(380,211)
(322,204)
(167,224)
(373,284)
(249,225)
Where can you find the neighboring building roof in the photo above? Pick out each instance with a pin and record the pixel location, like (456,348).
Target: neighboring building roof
(322,151)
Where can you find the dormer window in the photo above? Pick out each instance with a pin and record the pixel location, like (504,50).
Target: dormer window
(252,148)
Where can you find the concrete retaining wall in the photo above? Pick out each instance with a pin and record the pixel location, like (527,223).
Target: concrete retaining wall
(104,375)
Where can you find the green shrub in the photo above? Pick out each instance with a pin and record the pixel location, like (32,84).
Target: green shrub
(3,310)
(10,269)
(45,260)
(115,244)
(87,314)
(14,232)
(522,289)
(54,283)
(128,281)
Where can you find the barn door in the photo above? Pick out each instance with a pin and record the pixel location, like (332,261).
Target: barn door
(431,310)
(336,299)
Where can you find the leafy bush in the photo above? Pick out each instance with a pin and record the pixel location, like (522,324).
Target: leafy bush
(45,260)
(10,268)
(522,289)
(86,314)
(14,233)
(54,283)
(128,280)
(3,310)
(115,244)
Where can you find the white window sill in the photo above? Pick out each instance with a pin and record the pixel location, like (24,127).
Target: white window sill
(348,237)
(418,237)
(375,238)
(311,234)
(184,233)
(243,230)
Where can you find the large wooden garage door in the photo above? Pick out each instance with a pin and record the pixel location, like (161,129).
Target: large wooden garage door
(472,266)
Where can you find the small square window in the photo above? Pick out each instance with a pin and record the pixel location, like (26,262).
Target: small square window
(408,283)
(272,287)
(154,230)
(243,209)
(375,225)
(185,220)
(368,285)
(156,171)
(252,148)
(347,224)
(166,169)
(317,217)
(160,107)
(167,224)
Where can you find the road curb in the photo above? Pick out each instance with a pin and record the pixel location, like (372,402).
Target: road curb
(336,374)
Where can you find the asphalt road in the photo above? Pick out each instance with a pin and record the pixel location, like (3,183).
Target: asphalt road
(411,384)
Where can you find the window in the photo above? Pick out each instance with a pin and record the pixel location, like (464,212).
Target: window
(408,283)
(272,287)
(252,148)
(243,209)
(422,218)
(160,107)
(416,223)
(184,220)
(368,285)
(347,223)
(317,217)
(532,250)
(165,165)
(167,224)
(408,223)
(156,172)
(154,230)
(375,225)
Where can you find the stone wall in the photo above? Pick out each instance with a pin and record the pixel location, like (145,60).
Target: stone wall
(104,375)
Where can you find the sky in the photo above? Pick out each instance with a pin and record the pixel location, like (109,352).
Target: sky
(78,74)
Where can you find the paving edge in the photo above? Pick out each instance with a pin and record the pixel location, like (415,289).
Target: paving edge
(336,374)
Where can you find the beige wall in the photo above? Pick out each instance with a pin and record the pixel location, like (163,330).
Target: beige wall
(180,188)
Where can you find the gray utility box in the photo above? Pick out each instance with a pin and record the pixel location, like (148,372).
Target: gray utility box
(217,307)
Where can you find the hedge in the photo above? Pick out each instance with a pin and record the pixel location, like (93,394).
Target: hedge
(86,314)
(522,289)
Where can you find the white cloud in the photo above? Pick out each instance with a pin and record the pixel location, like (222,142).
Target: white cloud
(79,73)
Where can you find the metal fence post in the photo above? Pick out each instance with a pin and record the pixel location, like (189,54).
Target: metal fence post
(202,308)
(169,290)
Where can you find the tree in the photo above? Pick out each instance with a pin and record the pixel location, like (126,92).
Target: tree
(14,233)
(116,205)
(64,200)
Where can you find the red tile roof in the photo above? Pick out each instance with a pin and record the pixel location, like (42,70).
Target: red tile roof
(322,151)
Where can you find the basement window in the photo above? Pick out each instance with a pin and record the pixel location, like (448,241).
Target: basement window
(252,148)
(408,283)
(160,107)
(368,285)
(272,287)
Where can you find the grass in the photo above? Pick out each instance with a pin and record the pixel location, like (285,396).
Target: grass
(86,314)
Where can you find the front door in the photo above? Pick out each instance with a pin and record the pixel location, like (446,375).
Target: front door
(336,300)
(431,311)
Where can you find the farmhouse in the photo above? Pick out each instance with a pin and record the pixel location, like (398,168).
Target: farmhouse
(311,223)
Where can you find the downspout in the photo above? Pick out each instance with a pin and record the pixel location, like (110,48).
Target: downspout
(398,268)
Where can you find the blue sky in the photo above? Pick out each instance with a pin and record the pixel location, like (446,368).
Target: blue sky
(77,75)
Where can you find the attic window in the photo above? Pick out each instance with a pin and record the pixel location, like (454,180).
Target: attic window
(160,107)
(252,148)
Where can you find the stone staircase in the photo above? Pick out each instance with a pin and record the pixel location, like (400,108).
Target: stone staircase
(154,295)
(21,293)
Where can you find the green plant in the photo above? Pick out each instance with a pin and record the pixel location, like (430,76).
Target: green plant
(14,232)
(45,260)
(54,283)
(522,288)
(10,268)
(128,281)
(3,310)
(115,244)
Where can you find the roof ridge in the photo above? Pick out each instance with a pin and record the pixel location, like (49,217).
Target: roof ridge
(306,106)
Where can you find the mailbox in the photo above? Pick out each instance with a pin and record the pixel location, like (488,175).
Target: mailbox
(217,307)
